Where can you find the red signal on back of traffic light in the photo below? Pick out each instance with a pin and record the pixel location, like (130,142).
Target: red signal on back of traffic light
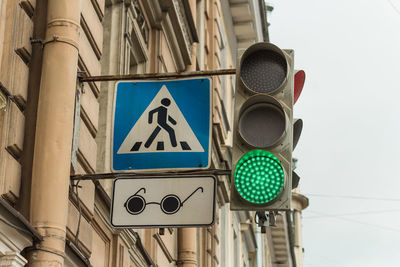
(299,79)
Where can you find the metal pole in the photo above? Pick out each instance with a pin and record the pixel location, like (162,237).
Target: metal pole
(167,75)
(105,176)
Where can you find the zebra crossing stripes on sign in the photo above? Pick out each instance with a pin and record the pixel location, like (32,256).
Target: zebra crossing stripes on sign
(162,125)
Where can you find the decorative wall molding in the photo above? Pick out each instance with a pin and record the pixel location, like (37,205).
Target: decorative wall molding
(154,12)
(183,22)
(173,44)
(12,259)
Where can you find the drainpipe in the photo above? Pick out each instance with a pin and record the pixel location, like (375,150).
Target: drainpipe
(53,139)
(35,71)
(260,247)
(187,236)
(290,232)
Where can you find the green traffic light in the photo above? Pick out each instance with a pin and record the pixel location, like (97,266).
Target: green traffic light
(259,176)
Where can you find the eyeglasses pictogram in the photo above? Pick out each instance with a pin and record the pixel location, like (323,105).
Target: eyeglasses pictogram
(170,204)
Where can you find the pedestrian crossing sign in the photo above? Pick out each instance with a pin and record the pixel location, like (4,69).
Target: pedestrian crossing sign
(161,125)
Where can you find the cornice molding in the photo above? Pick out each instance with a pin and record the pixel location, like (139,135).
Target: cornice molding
(154,12)
(299,201)
(173,44)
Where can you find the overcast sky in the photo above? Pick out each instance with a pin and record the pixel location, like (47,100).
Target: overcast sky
(350,51)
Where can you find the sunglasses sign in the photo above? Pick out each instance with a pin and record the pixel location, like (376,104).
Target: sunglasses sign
(163,202)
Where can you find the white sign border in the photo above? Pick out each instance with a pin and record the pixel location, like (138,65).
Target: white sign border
(161,169)
(165,225)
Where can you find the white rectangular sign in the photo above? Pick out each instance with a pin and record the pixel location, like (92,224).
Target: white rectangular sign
(177,201)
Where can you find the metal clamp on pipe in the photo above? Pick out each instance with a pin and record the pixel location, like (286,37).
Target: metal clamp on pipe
(63,40)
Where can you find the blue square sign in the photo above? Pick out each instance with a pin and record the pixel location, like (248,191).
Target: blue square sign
(162,125)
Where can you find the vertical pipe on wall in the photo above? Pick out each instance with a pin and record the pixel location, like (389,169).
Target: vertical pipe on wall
(35,70)
(53,140)
(187,236)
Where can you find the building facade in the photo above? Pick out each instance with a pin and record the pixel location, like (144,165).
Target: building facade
(54,127)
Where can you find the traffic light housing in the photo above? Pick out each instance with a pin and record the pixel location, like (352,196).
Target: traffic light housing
(263,129)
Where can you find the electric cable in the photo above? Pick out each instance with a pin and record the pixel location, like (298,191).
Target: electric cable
(352,213)
(79,221)
(16,227)
(363,223)
(80,214)
(353,197)
(394,7)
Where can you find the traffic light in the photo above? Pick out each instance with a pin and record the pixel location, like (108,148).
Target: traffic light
(263,129)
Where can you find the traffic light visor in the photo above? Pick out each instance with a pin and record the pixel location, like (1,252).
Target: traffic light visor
(263,68)
(259,177)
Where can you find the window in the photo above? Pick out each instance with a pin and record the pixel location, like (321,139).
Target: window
(136,40)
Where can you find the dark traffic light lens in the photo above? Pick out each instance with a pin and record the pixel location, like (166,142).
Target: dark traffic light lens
(259,176)
(262,125)
(263,71)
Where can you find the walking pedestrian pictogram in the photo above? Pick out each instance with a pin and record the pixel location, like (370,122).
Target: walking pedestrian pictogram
(162,124)
(161,112)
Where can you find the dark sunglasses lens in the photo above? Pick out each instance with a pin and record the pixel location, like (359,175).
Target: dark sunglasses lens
(135,205)
(170,204)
